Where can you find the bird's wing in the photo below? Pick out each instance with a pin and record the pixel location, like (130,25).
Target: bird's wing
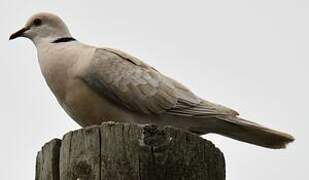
(137,86)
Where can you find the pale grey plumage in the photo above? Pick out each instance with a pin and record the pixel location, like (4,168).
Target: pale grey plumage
(102,84)
(139,87)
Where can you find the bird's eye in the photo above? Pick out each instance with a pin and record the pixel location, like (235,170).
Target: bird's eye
(37,22)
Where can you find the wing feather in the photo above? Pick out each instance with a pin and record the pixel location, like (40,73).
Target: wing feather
(137,86)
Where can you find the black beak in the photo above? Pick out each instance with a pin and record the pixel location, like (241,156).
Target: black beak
(19,33)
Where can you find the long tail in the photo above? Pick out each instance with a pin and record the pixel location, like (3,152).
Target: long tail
(250,132)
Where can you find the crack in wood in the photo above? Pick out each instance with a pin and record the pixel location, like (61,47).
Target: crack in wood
(116,151)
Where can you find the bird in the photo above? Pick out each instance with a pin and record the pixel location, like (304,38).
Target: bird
(96,84)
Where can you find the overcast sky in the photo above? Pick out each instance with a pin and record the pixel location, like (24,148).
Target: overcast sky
(250,56)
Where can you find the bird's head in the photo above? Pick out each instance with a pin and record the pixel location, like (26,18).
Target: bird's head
(43,26)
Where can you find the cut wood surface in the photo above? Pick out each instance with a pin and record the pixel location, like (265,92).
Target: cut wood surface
(114,151)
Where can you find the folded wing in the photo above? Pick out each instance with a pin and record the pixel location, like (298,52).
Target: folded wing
(137,86)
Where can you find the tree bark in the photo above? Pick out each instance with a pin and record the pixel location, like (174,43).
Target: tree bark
(116,151)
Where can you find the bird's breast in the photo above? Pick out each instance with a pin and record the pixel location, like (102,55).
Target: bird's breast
(86,107)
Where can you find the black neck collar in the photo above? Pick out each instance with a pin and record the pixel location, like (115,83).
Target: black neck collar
(64,39)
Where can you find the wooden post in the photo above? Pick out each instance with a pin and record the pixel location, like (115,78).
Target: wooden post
(116,151)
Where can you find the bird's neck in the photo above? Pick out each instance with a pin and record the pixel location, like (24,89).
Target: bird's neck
(59,37)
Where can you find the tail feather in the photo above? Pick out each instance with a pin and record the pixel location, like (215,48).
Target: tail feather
(250,132)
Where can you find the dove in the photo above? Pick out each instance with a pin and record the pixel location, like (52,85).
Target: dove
(94,85)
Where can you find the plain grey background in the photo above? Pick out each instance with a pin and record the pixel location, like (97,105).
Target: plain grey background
(250,56)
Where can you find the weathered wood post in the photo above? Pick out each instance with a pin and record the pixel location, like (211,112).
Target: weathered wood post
(116,151)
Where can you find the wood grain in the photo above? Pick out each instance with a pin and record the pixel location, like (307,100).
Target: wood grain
(115,151)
